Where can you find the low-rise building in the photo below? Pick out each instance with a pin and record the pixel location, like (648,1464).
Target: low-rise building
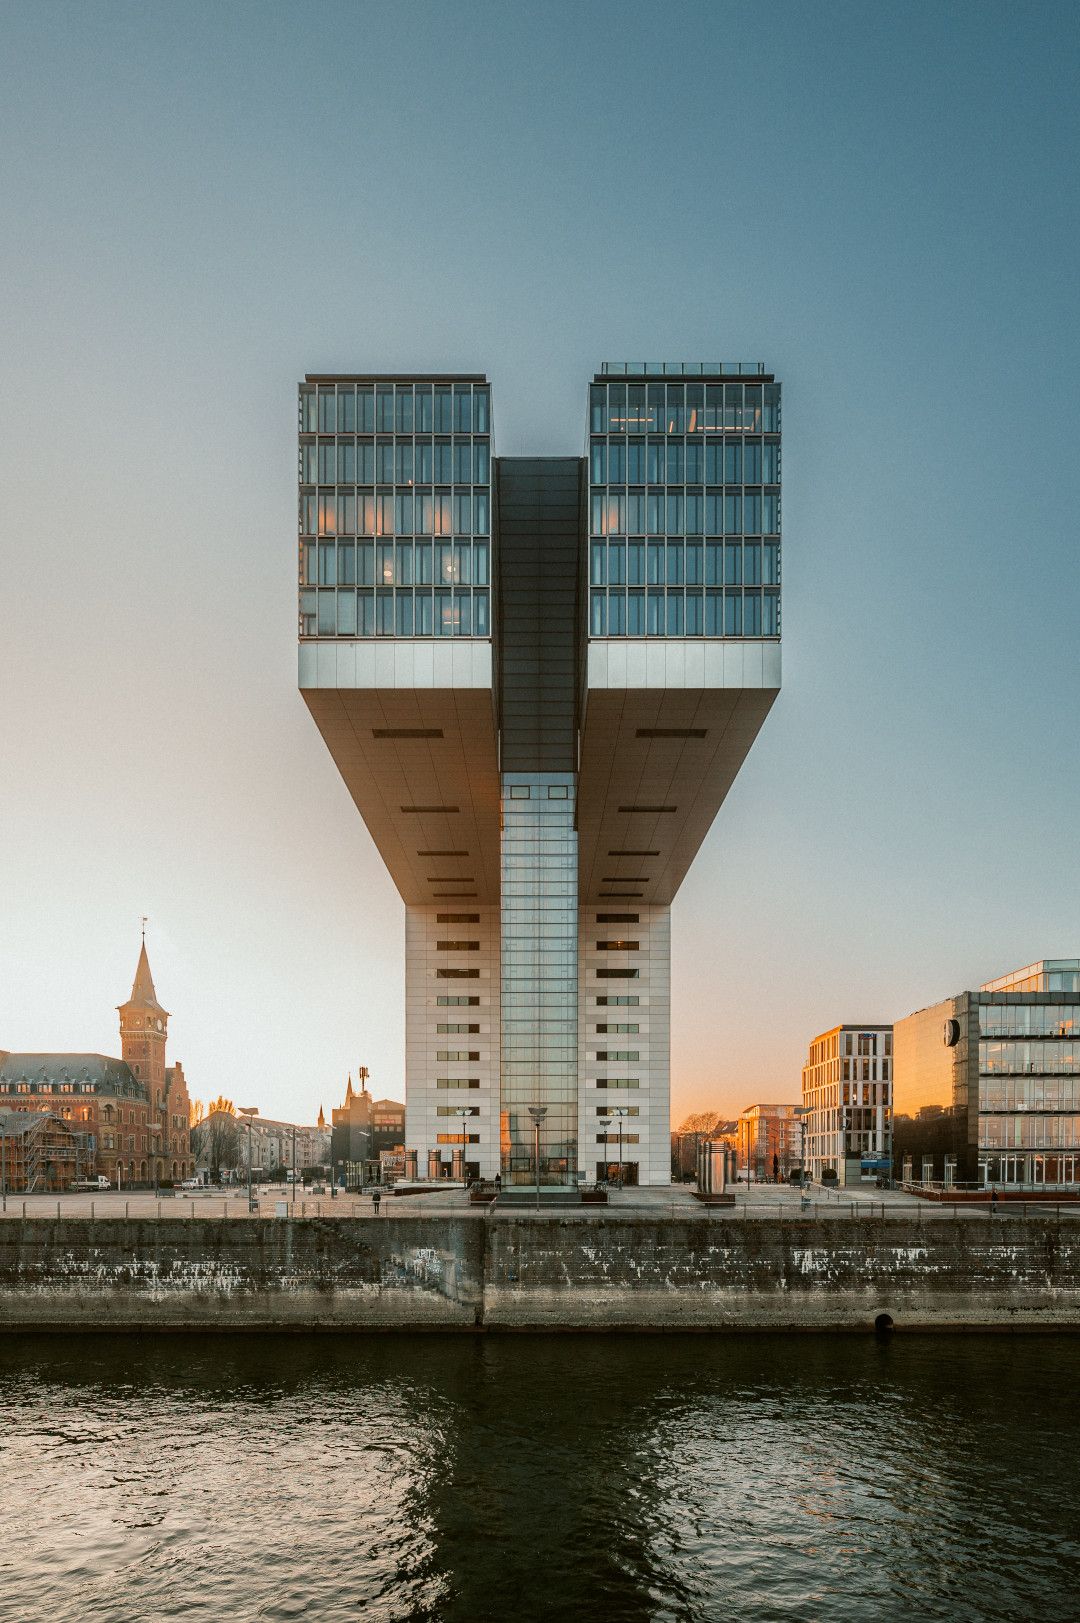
(133,1112)
(225,1140)
(39,1152)
(987,1087)
(363,1127)
(768,1141)
(847,1103)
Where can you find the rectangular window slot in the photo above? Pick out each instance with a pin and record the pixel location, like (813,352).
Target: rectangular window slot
(461,853)
(451,879)
(459,1002)
(651,809)
(457,946)
(672,732)
(457,1082)
(601,974)
(621,878)
(419,811)
(464,974)
(617,946)
(457,918)
(620,853)
(618,918)
(406,732)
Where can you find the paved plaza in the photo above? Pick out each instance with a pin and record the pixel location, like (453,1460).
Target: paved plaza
(763,1201)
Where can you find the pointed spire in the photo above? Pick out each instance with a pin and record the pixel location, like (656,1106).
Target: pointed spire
(143,994)
(322,1117)
(348,1090)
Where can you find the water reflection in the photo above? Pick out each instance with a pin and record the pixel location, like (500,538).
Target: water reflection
(629,1478)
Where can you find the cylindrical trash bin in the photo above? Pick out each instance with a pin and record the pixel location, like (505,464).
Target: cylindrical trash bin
(411,1169)
(433,1164)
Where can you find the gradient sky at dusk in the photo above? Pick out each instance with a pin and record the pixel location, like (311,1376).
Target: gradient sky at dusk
(199,203)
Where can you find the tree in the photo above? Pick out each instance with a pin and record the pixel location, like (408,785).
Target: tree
(215,1140)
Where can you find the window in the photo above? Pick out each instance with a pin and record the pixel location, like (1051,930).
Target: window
(456,1138)
(457,1002)
(452,1056)
(617,946)
(453,918)
(458,974)
(621,918)
(618,1055)
(604,1027)
(623,1002)
(457,946)
(614,974)
(457,1082)
(452,1110)
(455,1028)
(618,1082)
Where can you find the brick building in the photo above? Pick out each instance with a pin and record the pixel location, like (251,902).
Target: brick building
(133,1112)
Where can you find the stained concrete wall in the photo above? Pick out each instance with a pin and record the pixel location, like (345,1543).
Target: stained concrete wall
(524,1273)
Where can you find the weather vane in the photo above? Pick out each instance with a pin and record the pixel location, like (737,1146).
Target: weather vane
(144,921)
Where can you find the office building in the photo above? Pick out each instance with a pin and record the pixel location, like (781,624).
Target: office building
(538,678)
(847,1101)
(987,1085)
(768,1141)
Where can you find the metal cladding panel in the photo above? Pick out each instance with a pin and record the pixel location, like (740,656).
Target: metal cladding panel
(538,503)
(656,765)
(420,765)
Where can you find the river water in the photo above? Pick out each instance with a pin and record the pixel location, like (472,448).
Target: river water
(616,1478)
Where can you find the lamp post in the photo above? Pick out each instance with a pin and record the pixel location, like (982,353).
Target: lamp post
(620,1111)
(604,1118)
(537,1112)
(294,1164)
(463,1115)
(249,1111)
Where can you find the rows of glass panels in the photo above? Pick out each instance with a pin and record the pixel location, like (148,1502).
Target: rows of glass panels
(539,975)
(395,510)
(684,510)
(1029,1019)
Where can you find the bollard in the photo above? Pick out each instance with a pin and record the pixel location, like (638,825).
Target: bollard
(24,1209)
(159,1208)
(58,1211)
(91,1211)
(127,1211)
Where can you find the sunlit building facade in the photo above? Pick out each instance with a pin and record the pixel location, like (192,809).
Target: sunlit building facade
(538,678)
(847,1103)
(987,1089)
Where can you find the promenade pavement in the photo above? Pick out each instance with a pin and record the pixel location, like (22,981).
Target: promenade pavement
(762,1201)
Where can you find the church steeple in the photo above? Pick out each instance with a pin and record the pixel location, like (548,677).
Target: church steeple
(144,1033)
(322,1118)
(349,1091)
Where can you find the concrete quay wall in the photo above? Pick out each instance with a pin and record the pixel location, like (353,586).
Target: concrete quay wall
(473,1272)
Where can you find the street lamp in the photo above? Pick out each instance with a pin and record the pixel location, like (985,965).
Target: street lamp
(248,1111)
(604,1118)
(537,1112)
(464,1113)
(620,1111)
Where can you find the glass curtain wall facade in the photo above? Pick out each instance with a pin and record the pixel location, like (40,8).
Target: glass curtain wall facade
(395,509)
(684,508)
(988,1085)
(539,929)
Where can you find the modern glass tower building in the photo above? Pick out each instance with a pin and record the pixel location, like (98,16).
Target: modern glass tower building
(538,678)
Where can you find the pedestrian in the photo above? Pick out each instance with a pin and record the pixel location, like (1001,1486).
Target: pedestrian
(376,1196)
(993,1201)
(498,1182)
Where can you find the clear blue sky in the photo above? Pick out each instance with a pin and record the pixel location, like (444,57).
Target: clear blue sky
(199,203)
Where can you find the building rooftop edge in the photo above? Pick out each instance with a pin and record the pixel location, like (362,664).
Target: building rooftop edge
(395,377)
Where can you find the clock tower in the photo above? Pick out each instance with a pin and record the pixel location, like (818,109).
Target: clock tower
(143,1031)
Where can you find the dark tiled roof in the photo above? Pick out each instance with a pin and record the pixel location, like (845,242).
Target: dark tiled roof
(14,1122)
(110,1075)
